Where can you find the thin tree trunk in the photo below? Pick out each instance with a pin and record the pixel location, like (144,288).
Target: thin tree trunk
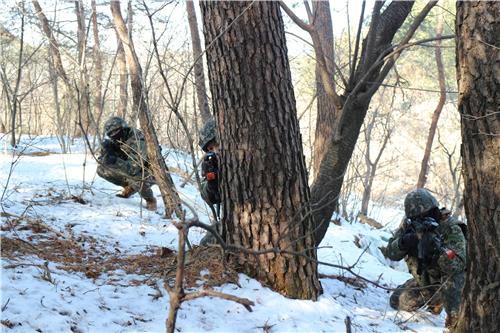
(424,168)
(55,58)
(60,123)
(122,72)
(326,113)
(83,103)
(372,165)
(264,180)
(15,102)
(478,76)
(53,44)
(98,100)
(199,75)
(157,163)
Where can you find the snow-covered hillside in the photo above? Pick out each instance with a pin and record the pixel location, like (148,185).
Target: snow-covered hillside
(75,258)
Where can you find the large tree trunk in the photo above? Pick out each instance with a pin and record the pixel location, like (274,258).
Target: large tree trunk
(424,168)
(157,163)
(478,75)
(264,180)
(199,75)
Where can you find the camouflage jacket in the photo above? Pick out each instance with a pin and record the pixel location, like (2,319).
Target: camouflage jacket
(132,157)
(453,239)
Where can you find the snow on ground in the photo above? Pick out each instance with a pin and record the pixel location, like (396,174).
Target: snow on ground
(45,187)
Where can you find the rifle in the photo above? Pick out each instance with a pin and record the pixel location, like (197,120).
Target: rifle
(111,151)
(430,245)
(210,171)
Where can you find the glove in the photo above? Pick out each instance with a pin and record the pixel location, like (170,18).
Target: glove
(431,244)
(409,243)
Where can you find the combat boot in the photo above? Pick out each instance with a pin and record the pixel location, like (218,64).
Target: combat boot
(127,192)
(435,309)
(450,322)
(151,204)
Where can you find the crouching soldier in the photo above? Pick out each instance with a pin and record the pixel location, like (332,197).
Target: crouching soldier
(433,244)
(209,187)
(123,161)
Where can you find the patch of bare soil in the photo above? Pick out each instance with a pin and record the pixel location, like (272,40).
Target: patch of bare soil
(86,254)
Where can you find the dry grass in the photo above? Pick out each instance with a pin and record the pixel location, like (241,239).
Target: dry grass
(87,255)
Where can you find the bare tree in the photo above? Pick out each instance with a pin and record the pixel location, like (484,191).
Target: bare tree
(477,31)
(376,58)
(422,177)
(264,181)
(454,167)
(372,164)
(13,102)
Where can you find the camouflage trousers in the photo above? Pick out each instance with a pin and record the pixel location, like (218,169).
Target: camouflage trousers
(410,296)
(139,183)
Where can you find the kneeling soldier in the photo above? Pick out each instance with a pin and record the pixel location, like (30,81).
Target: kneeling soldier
(433,244)
(123,161)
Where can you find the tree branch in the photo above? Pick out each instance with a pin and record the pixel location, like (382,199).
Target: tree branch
(303,25)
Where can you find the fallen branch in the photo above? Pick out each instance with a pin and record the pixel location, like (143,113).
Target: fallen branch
(5,305)
(202,293)
(356,282)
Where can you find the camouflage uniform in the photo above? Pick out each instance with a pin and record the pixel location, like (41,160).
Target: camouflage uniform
(445,275)
(123,159)
(209,187)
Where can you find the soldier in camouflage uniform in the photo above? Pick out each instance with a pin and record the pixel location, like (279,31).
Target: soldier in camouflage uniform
(123,161)
(438,277)
(209,187)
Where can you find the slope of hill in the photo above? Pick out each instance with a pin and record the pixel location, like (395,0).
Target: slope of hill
(77,258)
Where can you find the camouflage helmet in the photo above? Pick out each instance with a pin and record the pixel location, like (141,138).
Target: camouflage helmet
(419,202)
(113,124)
(207,134)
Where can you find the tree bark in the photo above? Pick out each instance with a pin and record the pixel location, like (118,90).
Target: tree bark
(478,76)
(199,75)
(264,181)
(424,168)
(157,163)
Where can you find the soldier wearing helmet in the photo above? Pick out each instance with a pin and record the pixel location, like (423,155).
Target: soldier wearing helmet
(433,244)
(209,187)
(123,161)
